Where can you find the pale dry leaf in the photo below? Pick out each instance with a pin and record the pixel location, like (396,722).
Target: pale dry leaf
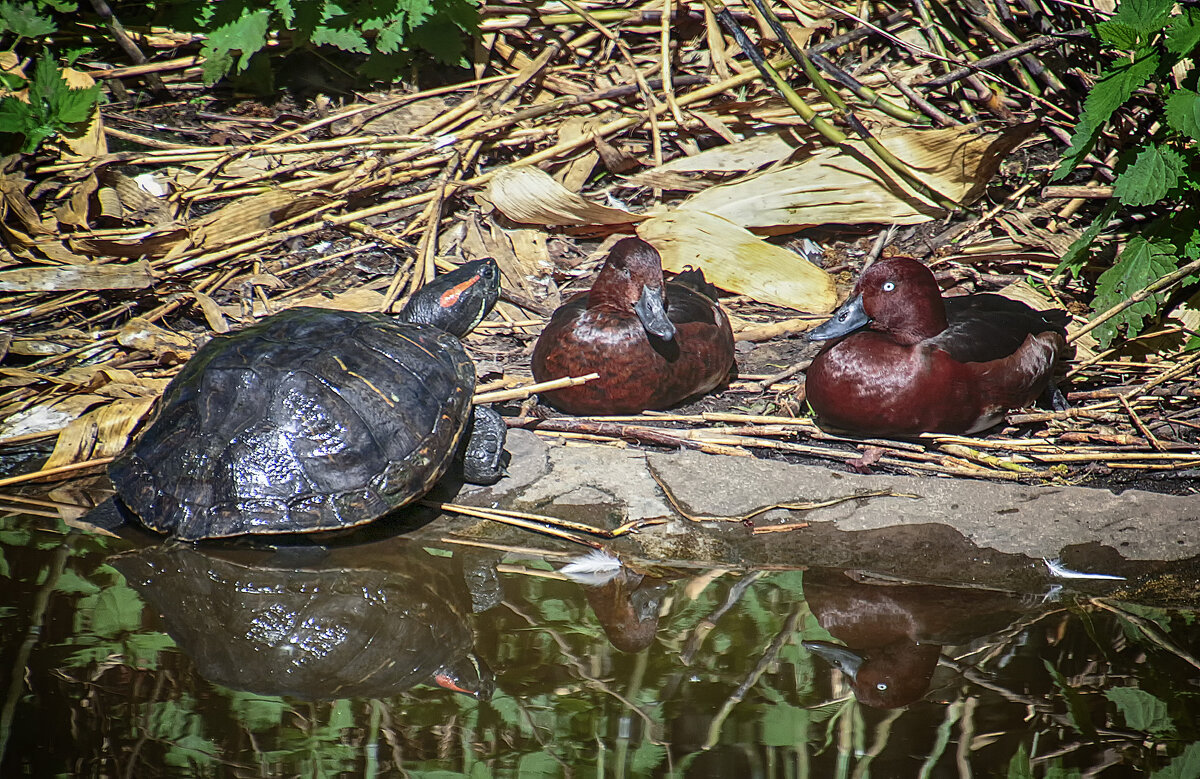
(212,313)
(135,275)
(837,186)
(738,261)
(101,432)
(362,300)
(144,335)
(46,417)
(530,196)
(250,215)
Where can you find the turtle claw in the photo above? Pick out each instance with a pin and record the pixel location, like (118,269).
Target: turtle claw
(484,459)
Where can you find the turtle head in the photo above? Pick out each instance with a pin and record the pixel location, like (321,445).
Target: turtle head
(456,301)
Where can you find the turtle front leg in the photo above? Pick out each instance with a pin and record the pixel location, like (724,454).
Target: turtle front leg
(484,458)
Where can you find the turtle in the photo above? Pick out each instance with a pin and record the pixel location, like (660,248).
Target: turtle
(317,419)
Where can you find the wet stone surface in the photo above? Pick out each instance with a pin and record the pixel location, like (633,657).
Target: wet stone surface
(946,528)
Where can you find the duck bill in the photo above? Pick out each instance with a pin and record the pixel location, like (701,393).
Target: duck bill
(652,310)
(849,317)
(840,657)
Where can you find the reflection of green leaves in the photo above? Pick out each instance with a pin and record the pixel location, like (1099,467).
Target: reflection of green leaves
(555,610)
(70,582)
(647,757)
(1186,766)
(257,712)
(1019,766)
(784,725)
(537,764)
(1076,705)
(1141,710)
(110,612)
(1056,770)
(178,724)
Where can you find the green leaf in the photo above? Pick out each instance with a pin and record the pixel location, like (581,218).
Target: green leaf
(257,712)
(1114,87)
(115,610)
(1145,16)
(344,38)
(1122,36)
(1077,252)
(1185,766)
(1183,113)
(1081,718)
(1141,710)
(1140,264)
(1184,32)
(247,34)
(1154,173)
(1019,766)
(535,764)
(217,63)
(23,20)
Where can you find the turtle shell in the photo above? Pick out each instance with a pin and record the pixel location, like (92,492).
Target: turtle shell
(310,420)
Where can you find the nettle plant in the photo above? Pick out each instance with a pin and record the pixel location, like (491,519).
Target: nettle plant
(1151,86)
(36,102)
(389,32)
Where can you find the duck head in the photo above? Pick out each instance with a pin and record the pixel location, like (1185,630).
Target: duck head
(632,280)
(897,296)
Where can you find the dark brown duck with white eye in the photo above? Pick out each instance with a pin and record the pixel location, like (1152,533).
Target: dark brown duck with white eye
(655,344)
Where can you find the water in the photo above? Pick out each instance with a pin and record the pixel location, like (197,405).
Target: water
(446,659)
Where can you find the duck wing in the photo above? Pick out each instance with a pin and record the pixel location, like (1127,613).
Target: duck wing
(691,298)
(989,327)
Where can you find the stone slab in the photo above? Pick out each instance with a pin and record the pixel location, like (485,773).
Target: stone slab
(1015,519)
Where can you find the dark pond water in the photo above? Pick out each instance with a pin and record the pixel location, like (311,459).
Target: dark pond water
(395,658)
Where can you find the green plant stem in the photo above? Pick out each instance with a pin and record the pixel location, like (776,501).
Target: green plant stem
(869,95)
(808,114)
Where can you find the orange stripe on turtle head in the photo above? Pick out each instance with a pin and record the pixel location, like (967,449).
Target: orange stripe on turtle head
(451,296)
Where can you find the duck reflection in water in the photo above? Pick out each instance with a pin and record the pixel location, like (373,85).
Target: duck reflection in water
(626,603)
(335,627)
(894,633)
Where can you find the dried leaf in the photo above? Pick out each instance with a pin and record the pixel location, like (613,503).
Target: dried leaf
(136,275)
(101,432)
(212,313)
(143,335)
(45,417)
(738,261)
(837,186)
(530,196)
(362,300)
(246,216)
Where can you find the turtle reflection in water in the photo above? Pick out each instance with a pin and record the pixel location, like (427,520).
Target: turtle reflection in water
(318,632)
(316,419)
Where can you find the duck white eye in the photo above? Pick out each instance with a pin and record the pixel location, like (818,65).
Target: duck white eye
(888,286)
(882,686)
